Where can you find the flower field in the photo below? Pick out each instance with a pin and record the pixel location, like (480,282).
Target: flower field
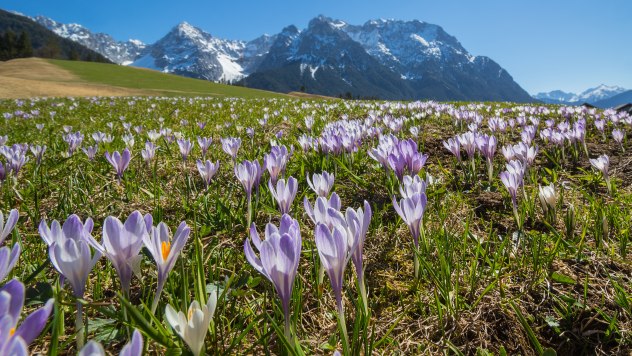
(159,225)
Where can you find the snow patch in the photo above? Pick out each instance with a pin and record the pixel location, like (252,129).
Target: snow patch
(419,39)
(232,71)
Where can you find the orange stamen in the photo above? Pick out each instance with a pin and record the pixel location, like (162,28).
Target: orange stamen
(165,249)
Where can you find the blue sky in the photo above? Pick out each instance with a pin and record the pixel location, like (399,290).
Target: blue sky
(544,45)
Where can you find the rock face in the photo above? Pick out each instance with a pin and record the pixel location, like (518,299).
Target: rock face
(386,59)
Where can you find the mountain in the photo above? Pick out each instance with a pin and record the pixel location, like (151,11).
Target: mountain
(45,43)
(591,95)
(387,59)
(187,50)
(116,51)
(616,100)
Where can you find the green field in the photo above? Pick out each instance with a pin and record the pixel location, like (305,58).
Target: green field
(162,83)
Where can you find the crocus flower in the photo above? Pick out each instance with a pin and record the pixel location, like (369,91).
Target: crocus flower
(7,226)
(92,348)
(246,172)
(548,198)
(135,346)
(411,186)
(90,151)
(276,161)
(121,245)
(278,258)
(164,249)
(207,170)
(4,172)
(321,184)
(411,210)
(119,161)
(193,326)
(618,135)
(11,303)
(284,193)
(149,152)
(69,252)
(512,179)
(185,148)
(602,163)
(8,259)
(205,143)
(129,141)
(231,145)
(335,248)
(454,146)
(38,152)
(359,219)
(487,146)
(318,213)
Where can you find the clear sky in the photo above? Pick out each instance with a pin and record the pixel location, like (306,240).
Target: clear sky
(543,44)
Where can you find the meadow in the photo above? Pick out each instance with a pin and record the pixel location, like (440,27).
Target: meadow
(164,225)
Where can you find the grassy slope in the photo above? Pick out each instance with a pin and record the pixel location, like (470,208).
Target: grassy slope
(162,83)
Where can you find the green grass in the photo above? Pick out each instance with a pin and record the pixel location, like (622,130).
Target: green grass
(161,83)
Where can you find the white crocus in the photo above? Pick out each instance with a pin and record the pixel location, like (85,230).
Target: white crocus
(548,198)
(193,326)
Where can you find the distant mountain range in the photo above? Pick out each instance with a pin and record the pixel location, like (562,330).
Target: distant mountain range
(386,59)
(600,96)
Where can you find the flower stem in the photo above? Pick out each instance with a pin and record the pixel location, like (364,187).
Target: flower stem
(79,325)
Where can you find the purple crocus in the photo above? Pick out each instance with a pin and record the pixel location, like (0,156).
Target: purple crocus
(121,245)
(135,346)
(618,135)
(278,258)
(38,152)
(411,210)
(207,170)
(205,143)
(90,151)
(185,146)
(246,172)
(92,348)
(335,247)
(411,186)
(512,178)
(149,152)
(119,162)
(276,161)
(321,184)
(359,219)
(8,259)
(284,193)
(164,249)
(487,146)
(14,340)
(7,226)
(318,213)
(230,145)
(69,252)
(4,172)
(453,145)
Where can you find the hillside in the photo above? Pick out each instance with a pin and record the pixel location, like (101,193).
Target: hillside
(30,77)
(619,99)
(44,43)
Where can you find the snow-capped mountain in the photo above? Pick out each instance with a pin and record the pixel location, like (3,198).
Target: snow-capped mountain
(189,51)
(117,51)
(384,59)
(591,95)
(387,59)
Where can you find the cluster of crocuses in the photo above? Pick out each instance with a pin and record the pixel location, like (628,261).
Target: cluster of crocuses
(16,158)
(69,247)
(471,142)
(400,156)
(339,238)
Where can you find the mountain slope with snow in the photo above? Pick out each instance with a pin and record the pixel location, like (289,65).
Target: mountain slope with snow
(117,51)
(592,95)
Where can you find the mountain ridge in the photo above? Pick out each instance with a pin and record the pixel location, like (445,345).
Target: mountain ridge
(387,59)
